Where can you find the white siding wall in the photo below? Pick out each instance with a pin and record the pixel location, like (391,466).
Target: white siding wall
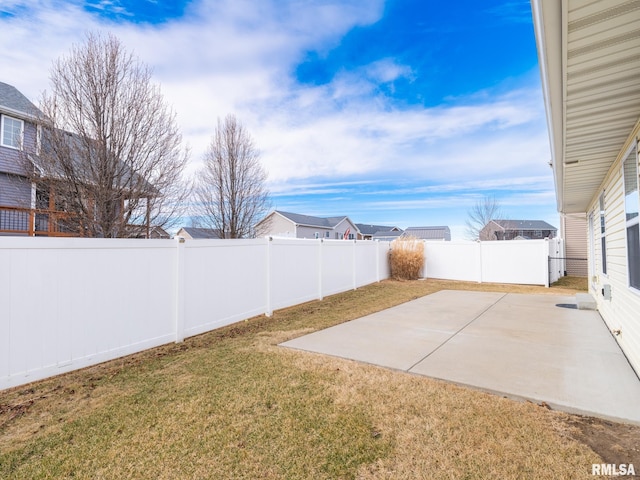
(622,311)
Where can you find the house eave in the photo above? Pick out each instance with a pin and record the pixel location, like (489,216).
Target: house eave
(18,114)
(547,20)
(588,65)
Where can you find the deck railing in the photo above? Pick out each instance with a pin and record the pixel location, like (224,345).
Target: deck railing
(34,222)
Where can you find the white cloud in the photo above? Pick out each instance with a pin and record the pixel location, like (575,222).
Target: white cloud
(237,56)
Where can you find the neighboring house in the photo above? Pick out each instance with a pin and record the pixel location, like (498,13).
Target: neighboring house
(26,208)
(368,232)
(429,233)
(193,233)
(573,230)
(387,236)
(517,230)
(294,225)
(141,231)
(588,55)
(19,135)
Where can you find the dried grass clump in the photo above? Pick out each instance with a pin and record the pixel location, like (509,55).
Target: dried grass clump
(406,258)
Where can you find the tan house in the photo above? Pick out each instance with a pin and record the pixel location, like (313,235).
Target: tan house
(589,55)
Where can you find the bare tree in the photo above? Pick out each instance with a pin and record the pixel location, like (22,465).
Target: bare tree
(230,189)
(111,153)
(485,209)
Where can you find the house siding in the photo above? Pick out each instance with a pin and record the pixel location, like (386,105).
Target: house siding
(575,236)
(15,191)
(345,225)
(11,160)
(278,226)
(621,311)
(310,232)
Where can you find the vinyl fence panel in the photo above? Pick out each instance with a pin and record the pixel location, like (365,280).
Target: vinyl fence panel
(68,303)
(513,261)
(453,261)
(294,271)
(338,264)
(224,282)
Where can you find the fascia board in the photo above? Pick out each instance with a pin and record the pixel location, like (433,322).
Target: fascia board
(550,32)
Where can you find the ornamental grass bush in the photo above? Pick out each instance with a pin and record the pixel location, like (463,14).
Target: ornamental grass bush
(406,258)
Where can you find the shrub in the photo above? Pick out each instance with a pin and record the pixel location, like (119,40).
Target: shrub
(406,258)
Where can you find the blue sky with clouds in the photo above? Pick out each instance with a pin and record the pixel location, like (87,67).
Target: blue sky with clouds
(400,112)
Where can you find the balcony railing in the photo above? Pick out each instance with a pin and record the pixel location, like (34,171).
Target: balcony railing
(34,222)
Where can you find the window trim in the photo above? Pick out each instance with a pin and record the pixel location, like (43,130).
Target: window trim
(3,117)
(603,233)
(636,220)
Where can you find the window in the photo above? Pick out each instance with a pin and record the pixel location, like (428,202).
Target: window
(631,209)
(603,236)
(11,132)
(326,234)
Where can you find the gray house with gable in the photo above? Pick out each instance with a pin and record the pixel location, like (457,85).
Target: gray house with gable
(19,134)
(295,225)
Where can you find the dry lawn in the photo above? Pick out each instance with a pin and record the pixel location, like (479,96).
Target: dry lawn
(231,404)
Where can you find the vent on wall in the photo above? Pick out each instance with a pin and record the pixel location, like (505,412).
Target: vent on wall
(606,291)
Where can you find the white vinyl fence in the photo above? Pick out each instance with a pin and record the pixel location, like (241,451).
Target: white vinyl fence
(514,261)
(70,303)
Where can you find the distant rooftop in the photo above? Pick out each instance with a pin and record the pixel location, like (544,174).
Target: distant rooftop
(525,225)
(202,233)
(308,220)
(367,229)
(429,233)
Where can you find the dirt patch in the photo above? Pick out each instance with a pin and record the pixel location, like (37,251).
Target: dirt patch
(616,443)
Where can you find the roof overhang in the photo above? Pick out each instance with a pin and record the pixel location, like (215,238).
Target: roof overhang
(19,114)
(589,56)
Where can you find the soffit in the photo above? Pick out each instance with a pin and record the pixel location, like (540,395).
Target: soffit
(601,75)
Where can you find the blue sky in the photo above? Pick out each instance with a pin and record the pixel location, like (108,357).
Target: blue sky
(403,112)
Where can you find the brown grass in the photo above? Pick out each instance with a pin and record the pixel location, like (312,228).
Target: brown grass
(406,258)
(232,404)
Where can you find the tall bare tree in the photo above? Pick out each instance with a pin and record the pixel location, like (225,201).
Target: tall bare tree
(230,189)
(111,151)
(485,209)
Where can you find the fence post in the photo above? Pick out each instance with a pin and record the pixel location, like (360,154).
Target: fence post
(377,260)
(479,261)
(548,262)
(179,314)
(320,247)
(353,263)
(269,311)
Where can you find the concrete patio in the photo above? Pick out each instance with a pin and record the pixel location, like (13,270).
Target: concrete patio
(529,347)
